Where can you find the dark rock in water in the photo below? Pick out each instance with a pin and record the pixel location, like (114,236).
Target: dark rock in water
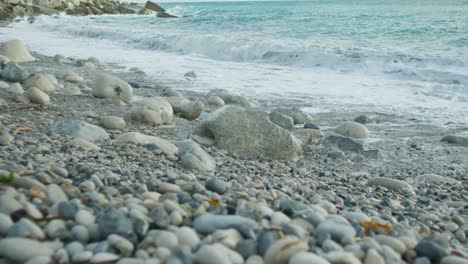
(113,221)
(144,11)
(165,15)
(456,140)
(155,7)
(343,143)
(431,249)
(362,119)
(311,126)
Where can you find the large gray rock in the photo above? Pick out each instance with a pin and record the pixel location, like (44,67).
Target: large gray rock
(193,157)
(282,120)
(353,130)
(12,72)
(249,134)
(228,97)
(298,116)
(108,86)
(16,51)
(78,129)
(459,140)
(190,110)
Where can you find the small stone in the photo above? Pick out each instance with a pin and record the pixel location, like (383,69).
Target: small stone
(160,217)
(392,242)
(44,82)
(216,185)
(339,232)
(208,254)
(56,229)
(104,257)
(16,88)
(391,184)
(84,217)
(61,59)
(55,194)
(37,96)
(342,258)
(228,237)
(5,224)
(246,247)
(113,122)
(82,257)
(215,101)
(84,144)
(281,120)
(12,72)
(169,92)
(298,115)
(209,223)
(373,257)
(166,239)
(362,119)
(352,130)
(281,251)
(431,248)
(6,138)
(73,77)
(80,233)
(124,246)
(454,260)
(78,129)
(307,258)
(27,229)
(21,250)
(113,221)
(187,236)
(108,86)
(4,85)
(165,187)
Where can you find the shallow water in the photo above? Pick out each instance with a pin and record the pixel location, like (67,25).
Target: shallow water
(407,58)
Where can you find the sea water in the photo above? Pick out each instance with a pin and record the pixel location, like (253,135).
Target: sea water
(400,57)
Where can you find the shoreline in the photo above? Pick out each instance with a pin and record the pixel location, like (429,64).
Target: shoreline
(337,204)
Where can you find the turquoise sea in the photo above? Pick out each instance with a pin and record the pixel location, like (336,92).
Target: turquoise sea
(403,57)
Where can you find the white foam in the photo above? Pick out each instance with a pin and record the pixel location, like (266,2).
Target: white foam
(323,87)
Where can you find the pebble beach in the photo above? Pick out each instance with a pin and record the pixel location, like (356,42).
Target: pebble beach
(101,163)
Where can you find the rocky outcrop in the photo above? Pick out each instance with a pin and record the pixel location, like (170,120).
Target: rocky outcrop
(19,8)
(249,134)
(160,12)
